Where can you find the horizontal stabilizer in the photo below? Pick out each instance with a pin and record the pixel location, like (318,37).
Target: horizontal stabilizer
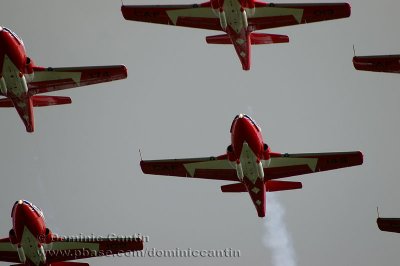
(264,38)
(219,39)
(39,101)
(6,102)
(256,38)
(272,186)
(238,187)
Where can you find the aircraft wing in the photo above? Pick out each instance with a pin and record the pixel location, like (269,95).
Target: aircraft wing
(271,15)
(73,249)
(286,165)
(54,79)
(194,16)
(389,224)
(217,168)
(8,252)
(378,63)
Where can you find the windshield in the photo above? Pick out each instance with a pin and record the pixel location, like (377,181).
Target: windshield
(15,36)
(34,208)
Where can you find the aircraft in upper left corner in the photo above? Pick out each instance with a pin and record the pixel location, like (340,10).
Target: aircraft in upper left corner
(21,79)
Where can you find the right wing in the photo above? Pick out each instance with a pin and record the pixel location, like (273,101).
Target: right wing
(8,252)
(72,249)
(378,63)
(217,168)
(271,15)
(286,165)
(194,16)
(54,79)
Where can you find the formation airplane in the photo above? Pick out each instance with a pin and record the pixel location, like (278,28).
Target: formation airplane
(21,79)
(250,162)
(30,242)
(378,63)
(238,19)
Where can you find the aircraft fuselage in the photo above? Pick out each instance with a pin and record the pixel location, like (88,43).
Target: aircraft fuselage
(29,233)
(248,151)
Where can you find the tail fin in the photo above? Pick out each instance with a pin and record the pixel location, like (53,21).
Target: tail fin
(6,102)
(255,38)
(219,39)
(272,186)
(238,187)
(264,38)
(39,101)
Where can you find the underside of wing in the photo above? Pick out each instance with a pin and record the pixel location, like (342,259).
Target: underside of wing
(54,79)
(193,16)
(389,224)
(218,168)
(286,165)
(272,15)
(72,249)
(8,253)
(378,63)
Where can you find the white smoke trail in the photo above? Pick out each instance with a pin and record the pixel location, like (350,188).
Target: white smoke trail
(277,238)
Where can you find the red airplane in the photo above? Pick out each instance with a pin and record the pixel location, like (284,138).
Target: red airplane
(378,63)
(251,163)
(238,19)
(21,79)
(389,224)
(30,242)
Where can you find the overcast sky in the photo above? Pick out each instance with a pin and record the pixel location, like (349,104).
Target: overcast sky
(81,166)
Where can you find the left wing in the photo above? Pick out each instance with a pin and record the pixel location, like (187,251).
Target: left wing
(273,15)
(194,16)
(286,165)
(217,168)
(378,63)
(73,249)
(389,224)
(54,79)
(8,252)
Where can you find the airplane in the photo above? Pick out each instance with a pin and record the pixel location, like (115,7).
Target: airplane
(30,242)
(250,162)
(21,79)
(378,63)
(238,19)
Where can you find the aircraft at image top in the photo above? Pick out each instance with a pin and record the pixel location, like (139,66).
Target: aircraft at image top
(378,63)
(21,79)
(250,162)
(31,243)
(238,19)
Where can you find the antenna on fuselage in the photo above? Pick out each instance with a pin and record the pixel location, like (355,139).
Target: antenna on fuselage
(140,153)
(354,50)
(377,210)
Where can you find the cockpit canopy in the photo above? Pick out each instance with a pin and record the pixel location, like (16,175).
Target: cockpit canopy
(38,211)
(249,118)
(14,35)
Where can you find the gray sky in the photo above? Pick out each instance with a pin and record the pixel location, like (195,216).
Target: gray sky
(81,166)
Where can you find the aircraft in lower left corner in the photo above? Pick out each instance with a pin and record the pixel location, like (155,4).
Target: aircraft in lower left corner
(21,79)
(250,163)
(31,243)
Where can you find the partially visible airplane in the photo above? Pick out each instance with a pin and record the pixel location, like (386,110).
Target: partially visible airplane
(30,242)
(378,63)
(238,19)
(388,224)
(250,162)
(21,79)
